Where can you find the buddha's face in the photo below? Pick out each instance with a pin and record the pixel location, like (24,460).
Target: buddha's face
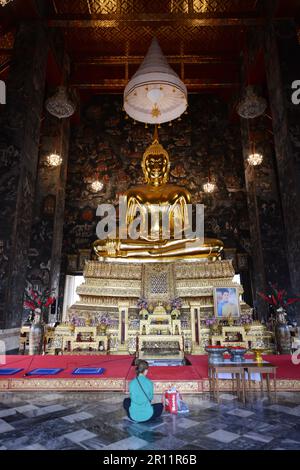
(156,169)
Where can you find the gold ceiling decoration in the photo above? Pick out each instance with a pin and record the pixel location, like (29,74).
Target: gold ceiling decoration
(112,41)
(119,32)
(125,7)
(111,37)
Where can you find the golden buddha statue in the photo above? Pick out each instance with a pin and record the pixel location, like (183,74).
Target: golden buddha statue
(167,201)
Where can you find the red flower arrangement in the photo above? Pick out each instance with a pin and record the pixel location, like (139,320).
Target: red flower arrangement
(35,300)
(278,298)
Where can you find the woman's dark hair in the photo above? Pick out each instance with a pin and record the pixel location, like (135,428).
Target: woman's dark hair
(141,366)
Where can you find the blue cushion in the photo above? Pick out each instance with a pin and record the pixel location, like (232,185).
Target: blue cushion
(88,371)
(9,371)
(51,371)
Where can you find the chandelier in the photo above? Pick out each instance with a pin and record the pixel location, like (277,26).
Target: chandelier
(209,187)
(155,94)
(54,160)
(60,104)
(251,105)
(97,186)
(255,159)
(5,2)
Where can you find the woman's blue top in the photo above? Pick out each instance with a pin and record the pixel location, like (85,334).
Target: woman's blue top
(140,408)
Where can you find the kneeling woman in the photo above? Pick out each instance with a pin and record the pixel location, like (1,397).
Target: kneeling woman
(138,406)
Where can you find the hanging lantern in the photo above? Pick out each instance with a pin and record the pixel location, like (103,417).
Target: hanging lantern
(155,94)
(54,160)
(97,186)
(251,105)
(209,187)
(255,159)
(60,104)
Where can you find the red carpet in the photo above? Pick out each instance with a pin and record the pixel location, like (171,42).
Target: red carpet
(169,373)
(119,371)
(115,366)
(286,369)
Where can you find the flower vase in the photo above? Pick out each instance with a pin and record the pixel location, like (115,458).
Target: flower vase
(283,338)
(175,314)
(36,337)
(103,328)
(144,314)
(214,329)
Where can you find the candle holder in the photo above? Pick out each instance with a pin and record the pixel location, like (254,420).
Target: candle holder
(258,354)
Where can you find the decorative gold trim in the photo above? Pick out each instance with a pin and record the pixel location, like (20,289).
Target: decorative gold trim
(65,384)
(121,385)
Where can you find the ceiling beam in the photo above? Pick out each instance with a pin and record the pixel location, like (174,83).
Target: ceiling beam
(142,19)
(172,59)
(108,84)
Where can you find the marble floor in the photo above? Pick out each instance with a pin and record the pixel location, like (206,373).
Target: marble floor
(44,420)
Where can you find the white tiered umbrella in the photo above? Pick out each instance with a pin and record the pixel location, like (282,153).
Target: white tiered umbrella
(155,94)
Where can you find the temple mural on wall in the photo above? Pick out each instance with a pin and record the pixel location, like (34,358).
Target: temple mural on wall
(20,132)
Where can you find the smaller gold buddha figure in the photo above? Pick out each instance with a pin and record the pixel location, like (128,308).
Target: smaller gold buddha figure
(158,201)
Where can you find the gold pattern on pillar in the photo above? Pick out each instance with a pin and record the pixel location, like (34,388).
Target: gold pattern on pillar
(123,327)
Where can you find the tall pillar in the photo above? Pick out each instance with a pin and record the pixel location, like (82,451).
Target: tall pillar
(44,265)
(268,244)
(43,270)
(282,58)
(57,242)
(20,121)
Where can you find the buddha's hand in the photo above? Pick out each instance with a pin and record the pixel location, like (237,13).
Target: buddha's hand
(112,248)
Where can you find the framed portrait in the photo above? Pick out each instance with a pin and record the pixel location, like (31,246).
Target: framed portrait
(227,302)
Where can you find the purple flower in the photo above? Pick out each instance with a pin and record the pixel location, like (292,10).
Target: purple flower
(210,321)
(142,304)
(176,303)
(245,319)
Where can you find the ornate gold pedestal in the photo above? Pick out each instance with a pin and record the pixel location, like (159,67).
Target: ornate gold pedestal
(160,336)
(110,293)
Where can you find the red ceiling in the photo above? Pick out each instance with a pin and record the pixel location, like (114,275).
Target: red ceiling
(208,39)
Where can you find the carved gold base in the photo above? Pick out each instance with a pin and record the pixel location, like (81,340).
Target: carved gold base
(86,385)
(120,385)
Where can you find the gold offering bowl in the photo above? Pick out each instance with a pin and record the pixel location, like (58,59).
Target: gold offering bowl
(258,354)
